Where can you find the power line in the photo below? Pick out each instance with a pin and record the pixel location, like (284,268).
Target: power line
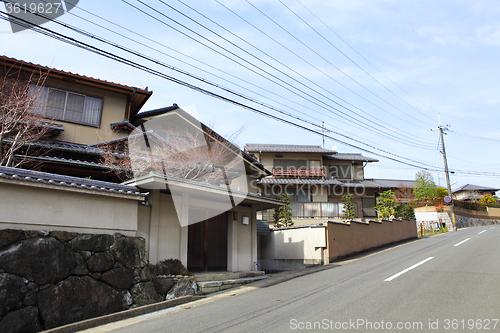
(266,63)
(344,115)
(345,55)
(329,62)
(386,76)
(74,42)
(476,136)
(95,37)
(312,65)
(181,71)
(291,86)
(283,64)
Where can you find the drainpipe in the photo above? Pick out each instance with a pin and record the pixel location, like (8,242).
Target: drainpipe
(326,250)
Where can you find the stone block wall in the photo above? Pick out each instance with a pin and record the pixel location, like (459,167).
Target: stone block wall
(49,279)
(464,221)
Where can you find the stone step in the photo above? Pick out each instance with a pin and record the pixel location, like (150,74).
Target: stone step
(207,287)
(220,276)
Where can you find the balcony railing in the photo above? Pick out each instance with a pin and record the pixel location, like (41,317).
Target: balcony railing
(310,210)
(280,172)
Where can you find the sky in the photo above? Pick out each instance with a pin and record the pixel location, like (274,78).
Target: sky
(374,76)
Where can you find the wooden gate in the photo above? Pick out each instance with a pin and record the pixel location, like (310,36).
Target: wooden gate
(207,243)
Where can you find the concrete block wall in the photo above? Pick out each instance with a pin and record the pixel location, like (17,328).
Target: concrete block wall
(348,238)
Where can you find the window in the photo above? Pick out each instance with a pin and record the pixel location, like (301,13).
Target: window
(368,206)
(300,195)
(340,171)
(290,164)
(67,106)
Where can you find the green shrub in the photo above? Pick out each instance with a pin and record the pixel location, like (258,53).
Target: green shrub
(385,205)
(405,210)
(349,209)
(470,205)
(169,267)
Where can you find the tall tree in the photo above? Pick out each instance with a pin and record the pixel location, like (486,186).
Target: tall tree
(424,185)
(283,216)
(192,155)
(441,192)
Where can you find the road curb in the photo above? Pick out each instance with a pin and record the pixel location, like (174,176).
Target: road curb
(122,315)
(185,301)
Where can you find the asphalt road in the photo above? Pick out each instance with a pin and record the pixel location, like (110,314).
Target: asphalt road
(444,283)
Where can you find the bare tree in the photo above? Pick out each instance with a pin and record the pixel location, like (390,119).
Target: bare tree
(404,193)
(21,119)
(193,155)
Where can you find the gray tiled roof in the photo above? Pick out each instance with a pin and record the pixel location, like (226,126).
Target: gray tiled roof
(67,181)
(76,74)
(359,183)
(349,157)
(470,187)
(320,224)
(309,181)
(276,148)
(393,183)
(156,112)
(306,181)
(69,146)
(62,160)
(263,227)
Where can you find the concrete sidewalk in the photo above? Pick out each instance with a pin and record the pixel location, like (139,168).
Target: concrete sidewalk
(129,317)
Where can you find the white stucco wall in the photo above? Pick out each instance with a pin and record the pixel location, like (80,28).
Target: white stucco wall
(28,206)
(426,216)
(160,227)
(299,243)
(245,239)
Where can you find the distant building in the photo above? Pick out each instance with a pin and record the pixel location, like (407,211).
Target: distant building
(472,192)
(315,179)
(403,189)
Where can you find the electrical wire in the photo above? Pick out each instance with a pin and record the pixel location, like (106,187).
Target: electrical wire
(74,42)
(342,114)
(422,142)
(312,65)
(345,55)
(95,37)
(330,63)
(386,76)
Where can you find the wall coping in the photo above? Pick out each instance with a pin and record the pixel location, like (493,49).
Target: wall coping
(38,179)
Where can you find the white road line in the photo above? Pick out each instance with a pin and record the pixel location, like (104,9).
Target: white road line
(492,228)
(481,232)
(408,269)
(465,240)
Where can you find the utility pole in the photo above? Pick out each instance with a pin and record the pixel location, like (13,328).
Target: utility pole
(323,126)
(441,130)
